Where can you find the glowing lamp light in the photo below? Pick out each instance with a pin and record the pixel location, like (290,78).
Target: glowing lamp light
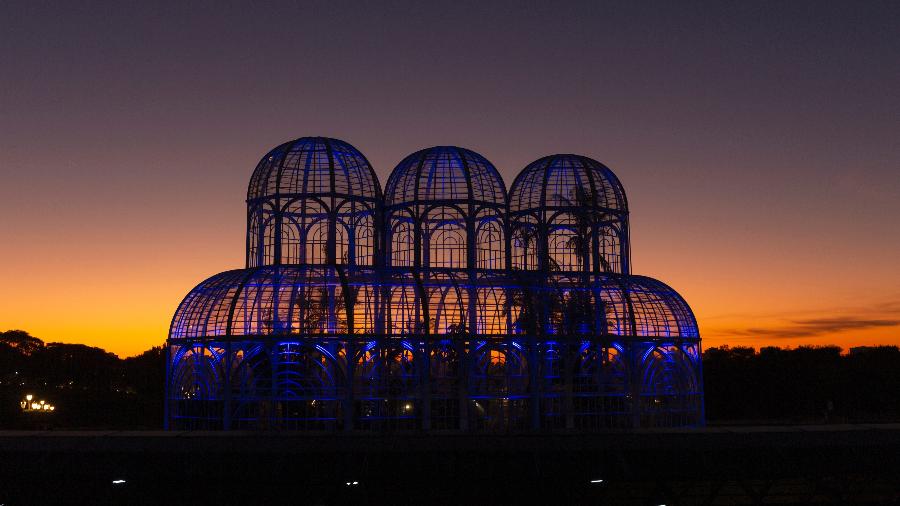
(30,404)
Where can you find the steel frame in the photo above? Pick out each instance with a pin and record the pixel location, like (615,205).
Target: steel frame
(441,305)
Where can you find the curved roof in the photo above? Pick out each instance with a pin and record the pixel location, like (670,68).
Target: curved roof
(658,310)
(553,182)
(444,173)
(269,300)
(282,300)
(314,166)
(635,306)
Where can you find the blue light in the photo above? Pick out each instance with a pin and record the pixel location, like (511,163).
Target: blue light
(364,310)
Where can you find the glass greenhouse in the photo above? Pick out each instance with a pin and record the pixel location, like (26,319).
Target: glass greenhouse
(443,303)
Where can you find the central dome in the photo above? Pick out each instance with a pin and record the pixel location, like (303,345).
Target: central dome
(445,173)
(445,207)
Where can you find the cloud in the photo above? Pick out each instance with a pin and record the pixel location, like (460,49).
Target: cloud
(884,313)
(815,327)
(890,307)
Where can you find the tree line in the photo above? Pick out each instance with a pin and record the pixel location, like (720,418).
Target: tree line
(808,384)
(95,389)
(90,387)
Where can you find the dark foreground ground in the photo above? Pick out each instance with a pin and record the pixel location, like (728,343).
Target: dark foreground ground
(837,464)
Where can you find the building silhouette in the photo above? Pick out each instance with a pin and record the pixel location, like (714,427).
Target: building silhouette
(444,303)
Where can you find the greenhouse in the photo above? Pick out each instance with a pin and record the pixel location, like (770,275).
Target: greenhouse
(443,303)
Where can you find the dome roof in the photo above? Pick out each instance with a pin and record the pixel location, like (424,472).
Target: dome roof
(445,173)
(314,166)
(281,300)
(657,310)
(633,306)
(274,300)
(553,182)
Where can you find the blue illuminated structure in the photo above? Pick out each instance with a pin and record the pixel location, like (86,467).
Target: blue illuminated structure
(443,304)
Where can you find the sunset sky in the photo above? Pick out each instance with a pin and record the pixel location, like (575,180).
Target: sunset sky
(759,143)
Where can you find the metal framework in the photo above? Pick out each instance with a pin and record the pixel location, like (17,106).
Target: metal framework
(443,304)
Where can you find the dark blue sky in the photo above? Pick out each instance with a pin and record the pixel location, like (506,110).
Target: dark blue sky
(758,140)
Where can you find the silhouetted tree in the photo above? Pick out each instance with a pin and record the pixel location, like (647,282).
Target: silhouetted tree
(96,389)
(21,340)
(805,384)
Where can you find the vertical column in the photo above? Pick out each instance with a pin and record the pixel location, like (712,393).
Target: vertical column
(534,372)
(350,365)
(226,414)
(572,346)
(426,382)
(426,352)
(634,379)
(462,347)
(272,416)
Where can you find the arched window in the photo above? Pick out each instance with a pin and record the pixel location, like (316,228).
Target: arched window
(268,238)
(525,246)
(562,246)
(291,245)
(364,240)
(447,246)
(385,391)
(342,236)
(445,239)
(405,313)
(499,385)
(491,311)
(448,308)
(610,250)
(307,394)
(490,245)
(402,242)
(317,242)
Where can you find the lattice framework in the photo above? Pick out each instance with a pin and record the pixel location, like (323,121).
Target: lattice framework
(442,304)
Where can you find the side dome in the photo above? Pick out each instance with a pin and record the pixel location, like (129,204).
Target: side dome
(313,200)
(445,207)
(569,213)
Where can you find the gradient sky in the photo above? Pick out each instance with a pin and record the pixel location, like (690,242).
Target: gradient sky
(759,143)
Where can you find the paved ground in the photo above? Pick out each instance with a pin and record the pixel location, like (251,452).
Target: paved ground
(836,464)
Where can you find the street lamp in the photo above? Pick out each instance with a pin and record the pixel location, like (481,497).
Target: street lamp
(29,405)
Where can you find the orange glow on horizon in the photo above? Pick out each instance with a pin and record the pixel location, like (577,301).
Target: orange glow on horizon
(757,145)
(119,292)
